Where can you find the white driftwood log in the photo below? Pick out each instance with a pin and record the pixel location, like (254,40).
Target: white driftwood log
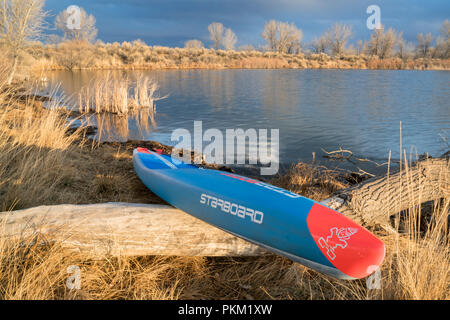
(124,229)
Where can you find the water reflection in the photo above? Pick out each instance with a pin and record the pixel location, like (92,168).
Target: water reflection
(358,110)
(279,93)
(118,104)
(113,127)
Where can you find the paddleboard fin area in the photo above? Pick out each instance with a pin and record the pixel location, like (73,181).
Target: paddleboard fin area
(281,221)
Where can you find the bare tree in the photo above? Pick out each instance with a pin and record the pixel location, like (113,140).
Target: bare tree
(216,30)
(445,29)
(229,40)
(75,55)
(282,36)
(270,34)
(86,31)
(387,44)
(439,48)
(319,45)
(337,38)
(193,44)
(359,47)
(424,44)
(20,21)
(374,45)
(401,46)
(383,44)
(443,42)
(289,38)
(405,50)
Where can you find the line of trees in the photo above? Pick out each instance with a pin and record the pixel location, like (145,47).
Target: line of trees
(285,37)
(220,37)
(384,43)
(387,43)
(282,36)
(23,21)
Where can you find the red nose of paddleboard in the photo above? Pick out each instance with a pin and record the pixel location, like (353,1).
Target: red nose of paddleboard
(349,247)
(143,150)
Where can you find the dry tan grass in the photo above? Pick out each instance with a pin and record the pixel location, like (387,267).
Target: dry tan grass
(41,163)
(412,270)
(32,148)
(311,181)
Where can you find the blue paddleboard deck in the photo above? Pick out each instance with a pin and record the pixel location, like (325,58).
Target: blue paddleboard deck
(274,218)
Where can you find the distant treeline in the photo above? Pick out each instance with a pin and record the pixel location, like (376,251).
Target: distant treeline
(386,49)
(76,49)
(285,37)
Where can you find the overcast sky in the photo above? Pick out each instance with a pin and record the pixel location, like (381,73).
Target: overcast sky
(172,22)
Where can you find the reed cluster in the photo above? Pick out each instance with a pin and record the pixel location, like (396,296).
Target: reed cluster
(118,95)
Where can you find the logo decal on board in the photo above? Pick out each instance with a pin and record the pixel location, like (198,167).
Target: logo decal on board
(337,238)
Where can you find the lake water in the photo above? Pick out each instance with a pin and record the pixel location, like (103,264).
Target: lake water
(358,110)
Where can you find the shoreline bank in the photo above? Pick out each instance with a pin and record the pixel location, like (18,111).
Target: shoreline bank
(84,56)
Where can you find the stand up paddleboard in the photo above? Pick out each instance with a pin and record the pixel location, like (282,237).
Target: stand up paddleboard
(274,218)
